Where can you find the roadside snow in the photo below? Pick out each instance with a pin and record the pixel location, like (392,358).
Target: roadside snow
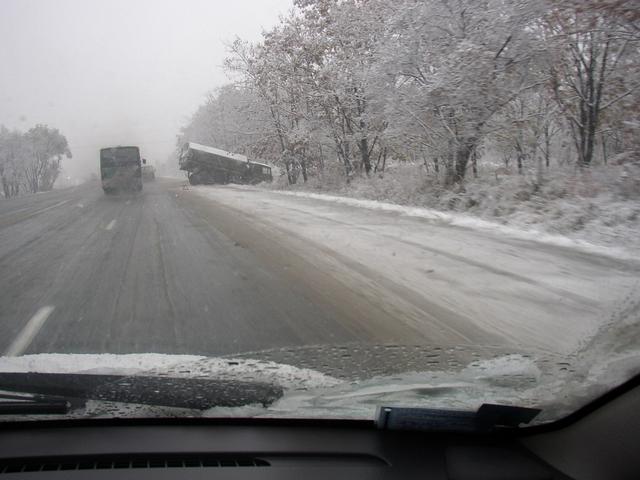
(468,221)
(597,206)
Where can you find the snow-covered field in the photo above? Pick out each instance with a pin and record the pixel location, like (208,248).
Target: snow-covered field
(445,273)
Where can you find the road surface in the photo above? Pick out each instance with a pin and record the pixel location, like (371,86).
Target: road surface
(224,270)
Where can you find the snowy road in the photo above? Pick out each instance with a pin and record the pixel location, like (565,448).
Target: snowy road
(223,270)
(165,271)
(451,284)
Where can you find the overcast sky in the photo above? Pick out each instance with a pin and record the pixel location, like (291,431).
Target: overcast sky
(117,72)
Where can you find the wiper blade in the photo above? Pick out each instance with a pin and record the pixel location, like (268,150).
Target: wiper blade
(177,392)
(489,417)
(33,405)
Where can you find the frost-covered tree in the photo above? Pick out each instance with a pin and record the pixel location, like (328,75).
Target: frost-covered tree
(45,148)
(438,81)
(458,63)
(231,119)
(31,161)
(269,70)
(346,86)
(12,155)
(594,67)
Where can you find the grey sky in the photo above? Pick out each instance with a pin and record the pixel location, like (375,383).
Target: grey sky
(118,71)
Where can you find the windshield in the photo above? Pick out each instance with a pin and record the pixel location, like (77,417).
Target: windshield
(343,205)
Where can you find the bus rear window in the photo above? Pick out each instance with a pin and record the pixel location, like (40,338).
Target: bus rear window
(119,156)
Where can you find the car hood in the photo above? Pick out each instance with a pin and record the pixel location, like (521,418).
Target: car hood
(348,381)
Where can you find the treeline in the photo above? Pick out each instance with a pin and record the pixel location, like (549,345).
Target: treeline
(30,161)
(444,82)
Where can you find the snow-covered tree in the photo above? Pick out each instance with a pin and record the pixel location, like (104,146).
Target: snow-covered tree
(31,161)
(358,81)
(45,148)
(458,63)
(594,67)
(12,155)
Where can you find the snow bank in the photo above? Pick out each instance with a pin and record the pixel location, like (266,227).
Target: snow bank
(467,221)
(596,209)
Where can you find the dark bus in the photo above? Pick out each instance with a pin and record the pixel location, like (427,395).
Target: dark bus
(120,169)
(209,165)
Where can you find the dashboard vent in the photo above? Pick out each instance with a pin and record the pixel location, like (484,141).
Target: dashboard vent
(109,463)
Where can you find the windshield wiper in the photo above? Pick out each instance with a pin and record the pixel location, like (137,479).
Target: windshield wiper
(489,417)
(177,392)
(11,404)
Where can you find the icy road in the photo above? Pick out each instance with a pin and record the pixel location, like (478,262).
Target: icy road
(224,270)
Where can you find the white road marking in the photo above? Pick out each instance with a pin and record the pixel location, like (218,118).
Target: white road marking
(28,333)
(59,204)
(35,212)
(111,224)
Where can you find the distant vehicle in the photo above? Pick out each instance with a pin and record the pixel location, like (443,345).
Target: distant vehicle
(120,169)
(209,165)
(148,172)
